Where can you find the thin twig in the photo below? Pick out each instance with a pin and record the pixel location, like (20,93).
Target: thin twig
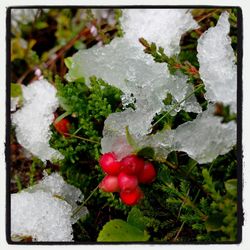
(207,15)
(82,138)
(82,205)
(58,54)
(179,231)
(184,174)
(61,51)
(177,105)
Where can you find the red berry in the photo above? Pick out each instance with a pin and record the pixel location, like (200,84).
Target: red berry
(132,164)
(148,174)
(131,198)
(109,164)
(109,184)
(62,126)
(127,182)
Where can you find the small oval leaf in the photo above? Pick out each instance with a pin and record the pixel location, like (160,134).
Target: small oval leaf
(120,231)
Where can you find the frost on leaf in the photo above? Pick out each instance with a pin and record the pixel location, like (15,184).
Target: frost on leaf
(44,211)
(32,121)
(217,63)
(161,26)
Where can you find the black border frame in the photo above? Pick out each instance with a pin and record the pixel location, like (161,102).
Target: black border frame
(240,213)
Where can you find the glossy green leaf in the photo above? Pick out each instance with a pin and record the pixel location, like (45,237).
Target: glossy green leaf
(146,152)
(60,117)
(136,218)
(120,231)
(68,62)
(130,139)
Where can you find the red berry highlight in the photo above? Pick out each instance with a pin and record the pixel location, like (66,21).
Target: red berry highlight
(148,174)
(131,198)
(132,165)
(109,164)
(109,184)
(127,182)
(62,126)
(124,176)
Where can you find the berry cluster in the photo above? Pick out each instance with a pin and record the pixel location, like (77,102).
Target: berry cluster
(124,176)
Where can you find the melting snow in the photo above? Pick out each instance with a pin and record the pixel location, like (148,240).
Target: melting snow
(145,84)
(217,63)
(44,211)
(203,139)
(33,120)
(161,26)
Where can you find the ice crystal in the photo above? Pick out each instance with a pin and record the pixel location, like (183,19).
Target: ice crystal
(44,211)
(32,121)
(41,216)
(206,137)
(217,63)
(203,139)
(55,184)
(162,26)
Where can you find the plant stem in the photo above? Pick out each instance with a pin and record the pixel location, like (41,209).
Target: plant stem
(18,183)
(82,205)
(187,201)
(207,15)
(177,104)
(82,138)
(179,231)
(186,175)
(77,131)
(32,173)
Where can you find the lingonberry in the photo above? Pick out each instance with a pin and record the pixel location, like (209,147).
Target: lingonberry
(127,182)
(109,184)
(148,174)
(62,126)
(109,163)
(132,165)
(131,198)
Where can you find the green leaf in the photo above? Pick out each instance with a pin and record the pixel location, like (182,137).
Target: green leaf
(68,62)
(16,90)
(214,222)
(60,117)
(136,218)
(231,187)
(146,152)
(131,141)
(120,231)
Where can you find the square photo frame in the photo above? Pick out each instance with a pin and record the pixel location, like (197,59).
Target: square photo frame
(124,125)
